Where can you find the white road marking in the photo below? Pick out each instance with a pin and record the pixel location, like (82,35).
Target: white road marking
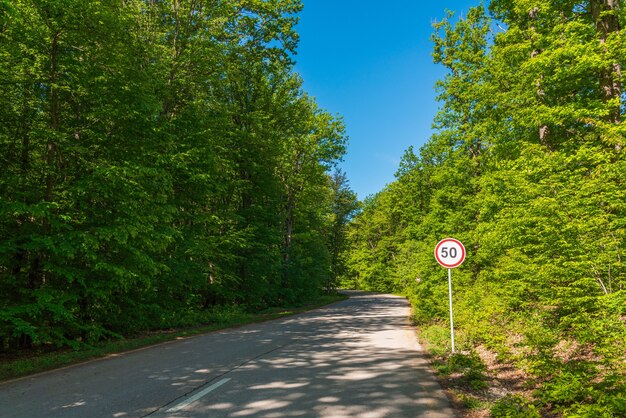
(197,396)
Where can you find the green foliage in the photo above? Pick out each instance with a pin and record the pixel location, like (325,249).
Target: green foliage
(469,368)
(160,162)
(572,393)
(514,406)
(216,318)
(469,401)
(526,168)
(438,338)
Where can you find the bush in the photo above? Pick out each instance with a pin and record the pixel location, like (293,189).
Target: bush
(438,339)
(470,368)
(514,406)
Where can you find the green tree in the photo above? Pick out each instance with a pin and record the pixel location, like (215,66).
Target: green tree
(154,153)
(525,170)
(344,206)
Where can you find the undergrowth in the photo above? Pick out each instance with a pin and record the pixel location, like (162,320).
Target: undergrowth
(24,363)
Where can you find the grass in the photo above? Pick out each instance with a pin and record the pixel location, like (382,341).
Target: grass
(462,375)
(32,362)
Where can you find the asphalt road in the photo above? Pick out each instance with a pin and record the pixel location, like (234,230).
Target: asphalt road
(356,358)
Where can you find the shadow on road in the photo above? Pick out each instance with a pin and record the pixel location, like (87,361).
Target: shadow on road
(356,358)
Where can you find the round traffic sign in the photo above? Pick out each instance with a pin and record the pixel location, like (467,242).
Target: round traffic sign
(450,253)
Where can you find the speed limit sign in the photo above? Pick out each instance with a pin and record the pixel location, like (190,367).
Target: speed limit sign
(450,253)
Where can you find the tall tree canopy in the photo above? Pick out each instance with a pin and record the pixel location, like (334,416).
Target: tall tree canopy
(159,158)
(526,168)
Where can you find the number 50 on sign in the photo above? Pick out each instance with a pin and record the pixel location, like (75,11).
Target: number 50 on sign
(450,253)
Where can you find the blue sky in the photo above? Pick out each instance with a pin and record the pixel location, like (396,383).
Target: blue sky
(370,61)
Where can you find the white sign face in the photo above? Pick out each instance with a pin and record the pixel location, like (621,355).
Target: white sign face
(450,253)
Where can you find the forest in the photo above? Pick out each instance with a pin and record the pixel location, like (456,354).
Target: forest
(527,168)
(160,162)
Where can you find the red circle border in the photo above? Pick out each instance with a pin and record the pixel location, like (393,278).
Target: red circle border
(450,266)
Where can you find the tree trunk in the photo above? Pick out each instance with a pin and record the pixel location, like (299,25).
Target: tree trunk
(55,120)
(544,130)
(36,276)
(289,219)
(605,16)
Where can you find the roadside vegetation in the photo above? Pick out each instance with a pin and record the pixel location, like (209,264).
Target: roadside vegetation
(527,169)
(162,168)
(39,359)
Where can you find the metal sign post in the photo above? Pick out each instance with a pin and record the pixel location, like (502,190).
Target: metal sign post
(450,253)
(451,316)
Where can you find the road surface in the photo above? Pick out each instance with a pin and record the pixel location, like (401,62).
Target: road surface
(356,358)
